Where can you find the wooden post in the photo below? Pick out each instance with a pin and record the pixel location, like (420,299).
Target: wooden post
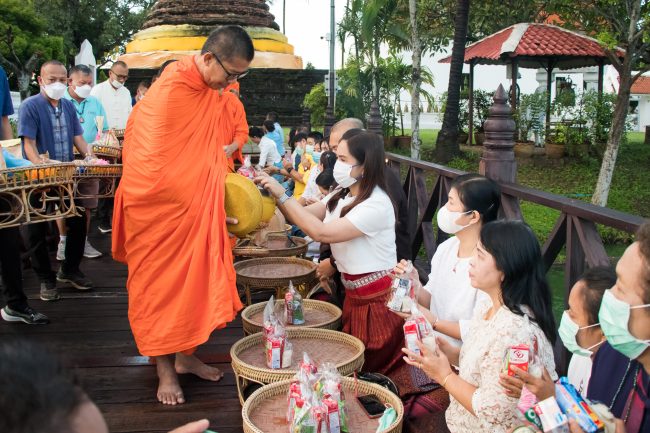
(498,161)
(601,68)
(306,118)
(471,102)
(374,123)
(549,75)
(513,86)
(329,120)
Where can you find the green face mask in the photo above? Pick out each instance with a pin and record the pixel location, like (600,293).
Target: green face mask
(568,333)
(614,319)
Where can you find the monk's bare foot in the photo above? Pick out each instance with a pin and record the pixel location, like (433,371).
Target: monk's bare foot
(192,364)
(169,391)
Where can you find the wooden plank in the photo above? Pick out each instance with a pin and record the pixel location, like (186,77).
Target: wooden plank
(555,241)
(592,244)
(575,258)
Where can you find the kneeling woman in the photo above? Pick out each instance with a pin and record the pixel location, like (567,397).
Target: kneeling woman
(358,221)
(507,266)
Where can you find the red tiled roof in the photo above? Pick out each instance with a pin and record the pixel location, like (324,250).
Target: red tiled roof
(535,41)
(641,86)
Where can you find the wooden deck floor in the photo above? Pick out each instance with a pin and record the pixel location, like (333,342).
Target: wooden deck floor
(90,331)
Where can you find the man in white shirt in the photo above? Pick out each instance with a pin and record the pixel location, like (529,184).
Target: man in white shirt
(115,98)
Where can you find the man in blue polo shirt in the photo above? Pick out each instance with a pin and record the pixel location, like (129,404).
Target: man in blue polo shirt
(16,308)
(88,108)
(49,124)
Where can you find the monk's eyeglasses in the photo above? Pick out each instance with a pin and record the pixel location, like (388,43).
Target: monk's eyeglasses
(229,75)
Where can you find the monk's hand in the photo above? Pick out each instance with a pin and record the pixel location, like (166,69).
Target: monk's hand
(434,363)
(230,149)
(230,220)
(271,185)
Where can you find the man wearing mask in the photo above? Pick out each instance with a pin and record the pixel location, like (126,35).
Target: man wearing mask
(49,124)
(16,308)
(116,100)
(88,108)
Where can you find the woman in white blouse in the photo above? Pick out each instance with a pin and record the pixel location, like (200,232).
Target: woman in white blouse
(507,265)
(358,221)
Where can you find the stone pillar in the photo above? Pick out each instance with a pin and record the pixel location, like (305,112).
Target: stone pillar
(374,123)
(329,120)
(306,118)
(498,161)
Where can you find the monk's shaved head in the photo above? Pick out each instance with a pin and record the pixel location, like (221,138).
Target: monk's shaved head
(340,128)
(230,42)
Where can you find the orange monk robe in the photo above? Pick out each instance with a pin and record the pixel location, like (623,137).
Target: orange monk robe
(238,114)
(169,222)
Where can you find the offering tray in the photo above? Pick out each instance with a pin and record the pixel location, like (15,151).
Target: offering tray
(322,345)
(274,274)
(276,245)
(318,314)
(265,410)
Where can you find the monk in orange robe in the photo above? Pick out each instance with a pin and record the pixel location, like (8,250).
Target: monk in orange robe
(169,218)
(238,114)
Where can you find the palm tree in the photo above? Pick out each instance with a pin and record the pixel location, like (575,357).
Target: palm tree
(447,143)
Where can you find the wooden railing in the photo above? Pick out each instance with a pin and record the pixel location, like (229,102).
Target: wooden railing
(574,229)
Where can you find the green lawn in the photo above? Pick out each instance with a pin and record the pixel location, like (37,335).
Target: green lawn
(630,192)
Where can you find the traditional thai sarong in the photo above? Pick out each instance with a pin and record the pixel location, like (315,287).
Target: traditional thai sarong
(366,317)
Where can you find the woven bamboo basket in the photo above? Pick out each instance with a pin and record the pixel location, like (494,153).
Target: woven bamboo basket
(112,153)
(265,409)
(119,133)
(274,273)
(322,345)
(28,194)
(276,246)
(36,176)
(318,314)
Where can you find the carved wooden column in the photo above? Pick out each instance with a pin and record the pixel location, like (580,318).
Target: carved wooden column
(329,121)
(498,161)
(306,118)
(374,123)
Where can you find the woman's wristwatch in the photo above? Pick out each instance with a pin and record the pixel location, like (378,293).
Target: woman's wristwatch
(283,198)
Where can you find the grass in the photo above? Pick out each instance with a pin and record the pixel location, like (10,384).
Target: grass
(575,178)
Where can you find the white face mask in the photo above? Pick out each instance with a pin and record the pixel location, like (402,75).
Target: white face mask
(447,220)
(116,84)
(55,90)
(83,91)
(341,174)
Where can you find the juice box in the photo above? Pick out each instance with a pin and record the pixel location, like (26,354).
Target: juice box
(516,356)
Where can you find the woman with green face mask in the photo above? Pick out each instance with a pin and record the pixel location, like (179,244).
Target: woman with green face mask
(580,332)
(620,375)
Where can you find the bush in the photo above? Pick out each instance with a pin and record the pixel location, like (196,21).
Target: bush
(316,102)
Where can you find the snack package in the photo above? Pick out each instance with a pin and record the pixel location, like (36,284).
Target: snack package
(551,417)
(269,317)
(575,407)
(404,290)
(412,335)
(294,312)
(516,356)
(247,169)
(275,343)
(427,335)
(301,387)
(333,398)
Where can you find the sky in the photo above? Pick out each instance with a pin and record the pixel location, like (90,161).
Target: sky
(307,21)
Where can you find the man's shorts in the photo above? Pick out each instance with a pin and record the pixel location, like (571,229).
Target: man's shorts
(87,187)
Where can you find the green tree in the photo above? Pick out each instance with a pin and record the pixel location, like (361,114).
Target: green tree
(447,142)
(25,42)
(616,23)
(107,24)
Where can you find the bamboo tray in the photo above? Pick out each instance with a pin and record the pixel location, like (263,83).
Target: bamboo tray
(112,153)
(105,175)
(277,245)
(322,345)
(318,314)
(274,274)
(265,409)
(97,171)
(28,194)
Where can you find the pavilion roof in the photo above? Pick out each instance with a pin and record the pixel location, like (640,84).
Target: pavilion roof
(641,86)
(534,45)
